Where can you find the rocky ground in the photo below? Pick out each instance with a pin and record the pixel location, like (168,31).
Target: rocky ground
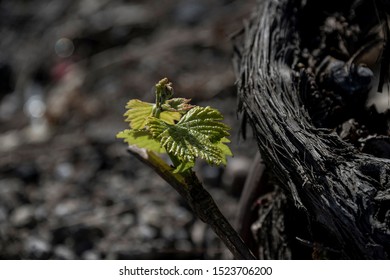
(68,188)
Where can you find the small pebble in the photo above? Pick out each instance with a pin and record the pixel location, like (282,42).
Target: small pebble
(64,170)
(151,215)
(22,216)
(190,12)
(62,252)
(90,255)
(146,232)
(37,248)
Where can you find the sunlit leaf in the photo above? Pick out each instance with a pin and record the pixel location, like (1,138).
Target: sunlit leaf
(225,148)
(174,126)
(207,121)
(170,117)
(198,134)
(137,113)
(142,139)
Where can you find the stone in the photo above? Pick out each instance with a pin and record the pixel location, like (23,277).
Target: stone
(22,216)
(37,248)
(62,252)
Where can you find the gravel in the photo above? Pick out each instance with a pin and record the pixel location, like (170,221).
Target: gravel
(68,188)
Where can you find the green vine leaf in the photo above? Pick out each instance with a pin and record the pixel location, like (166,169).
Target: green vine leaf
(198,134)
(142,139)
(184,166)
(139,111)
(170,117)
(173,126)
(207,121)
(225,149)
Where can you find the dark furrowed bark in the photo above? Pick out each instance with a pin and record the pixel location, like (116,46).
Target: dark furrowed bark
(341,191)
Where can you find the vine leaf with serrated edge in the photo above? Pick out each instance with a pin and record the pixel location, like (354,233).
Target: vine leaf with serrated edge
(198,134)
(138,112)
(174,126)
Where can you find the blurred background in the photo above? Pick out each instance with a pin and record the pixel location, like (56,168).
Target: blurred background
(68,188)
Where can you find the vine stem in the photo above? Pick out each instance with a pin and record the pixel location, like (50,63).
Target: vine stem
(201,202)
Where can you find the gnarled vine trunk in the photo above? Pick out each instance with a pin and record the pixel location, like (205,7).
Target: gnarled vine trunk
(341,196)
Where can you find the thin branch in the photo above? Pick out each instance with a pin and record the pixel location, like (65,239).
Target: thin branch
(201,202)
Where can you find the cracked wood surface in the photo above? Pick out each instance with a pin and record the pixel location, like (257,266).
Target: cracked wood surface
(343,192)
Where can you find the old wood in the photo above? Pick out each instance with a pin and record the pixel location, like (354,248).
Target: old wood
(343,194)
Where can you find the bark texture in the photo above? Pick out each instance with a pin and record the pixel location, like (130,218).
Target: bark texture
(343,195)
